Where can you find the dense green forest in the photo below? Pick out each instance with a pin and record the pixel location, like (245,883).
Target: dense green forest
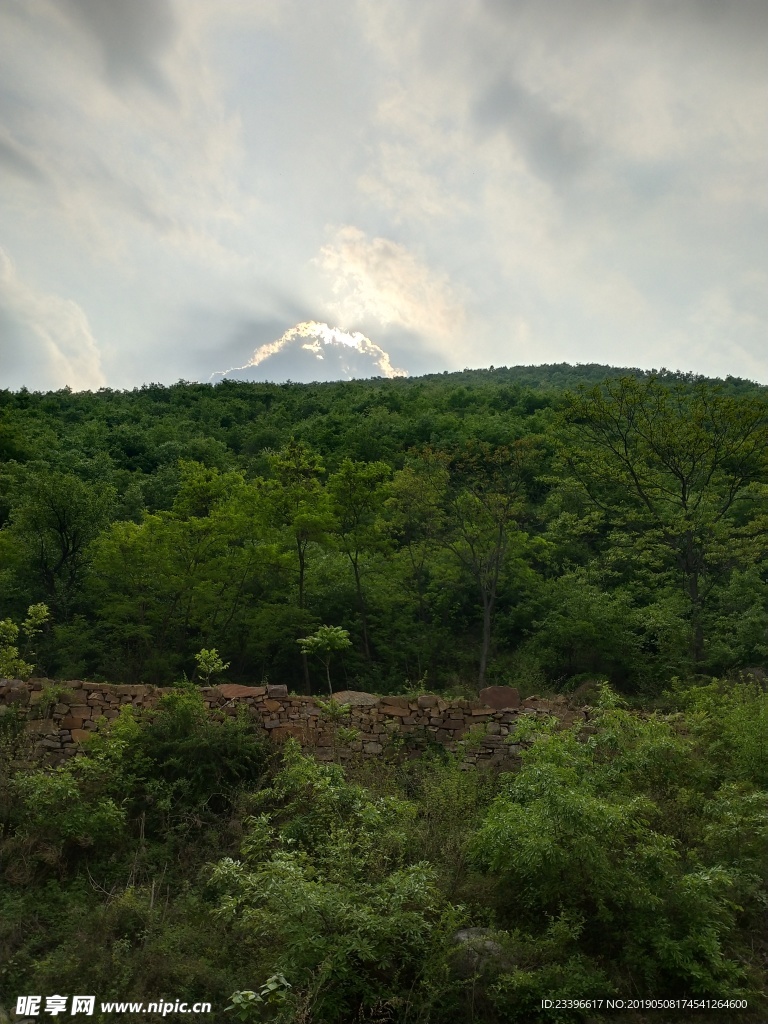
(562,529)
(528,525)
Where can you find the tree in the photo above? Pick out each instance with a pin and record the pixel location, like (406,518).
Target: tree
(294,502)
(165,587)
(12,665)
(356,498)
(56,518)
(323,643)
(415,517)
(485,502)
(677,467)
(209,663)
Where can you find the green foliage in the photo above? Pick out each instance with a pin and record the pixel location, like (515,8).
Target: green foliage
(186,760)
(615,533)
(248,1005)
(177,856)
(613,833)
(436,519)
(12,665)
(209,663)
(327,895)
(732,719)
(678,468)
(54,809)
(323,643)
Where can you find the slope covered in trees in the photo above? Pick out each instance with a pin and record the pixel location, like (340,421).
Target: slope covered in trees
(540,526)
(528,525)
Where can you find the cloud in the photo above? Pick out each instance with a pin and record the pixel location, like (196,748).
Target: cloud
(381,279)
(14,159)
(313,351)
(132,36)
(516,182)
(46,331)
(555,146)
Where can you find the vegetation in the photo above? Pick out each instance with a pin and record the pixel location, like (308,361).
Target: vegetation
(545,527)
(180,856)
(469,526)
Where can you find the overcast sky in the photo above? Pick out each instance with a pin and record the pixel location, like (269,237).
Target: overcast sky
(467,183)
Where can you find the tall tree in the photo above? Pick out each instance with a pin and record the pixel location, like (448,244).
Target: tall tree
(56,517)
(485,504)
(415,511)
(294,501)
(357,497)
(678,466)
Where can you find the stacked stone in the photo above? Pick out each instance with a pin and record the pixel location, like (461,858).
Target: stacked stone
(376,726)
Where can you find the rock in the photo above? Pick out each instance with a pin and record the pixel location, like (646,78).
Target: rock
(394,702)
(232,690)
(478,953)
(42,726)
(283,732)
(500,697)
(278,690)
(356,698)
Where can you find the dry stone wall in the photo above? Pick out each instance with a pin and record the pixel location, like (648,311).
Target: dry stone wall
(61,715)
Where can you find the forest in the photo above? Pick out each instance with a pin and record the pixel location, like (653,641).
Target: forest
(581,530)
(528,525)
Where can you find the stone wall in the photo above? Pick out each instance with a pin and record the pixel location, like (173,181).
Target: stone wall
(60,719)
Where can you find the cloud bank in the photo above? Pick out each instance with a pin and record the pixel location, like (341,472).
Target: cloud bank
(518,183)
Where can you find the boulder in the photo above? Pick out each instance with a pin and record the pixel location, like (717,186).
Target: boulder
(500,697)
(478,953)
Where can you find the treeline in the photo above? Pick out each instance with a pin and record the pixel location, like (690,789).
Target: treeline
(532,525)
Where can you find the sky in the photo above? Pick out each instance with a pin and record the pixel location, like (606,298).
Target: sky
(463,184)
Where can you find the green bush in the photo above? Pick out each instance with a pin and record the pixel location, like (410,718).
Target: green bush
(607,836)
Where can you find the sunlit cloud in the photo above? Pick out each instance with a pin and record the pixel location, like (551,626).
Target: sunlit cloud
(51,331)
(350,354)
(381,279)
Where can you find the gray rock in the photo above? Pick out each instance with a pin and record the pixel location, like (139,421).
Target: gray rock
(355,698)
(478,953)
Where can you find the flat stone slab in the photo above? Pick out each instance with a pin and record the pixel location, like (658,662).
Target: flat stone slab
(230,690)
(357,698)
(500,697)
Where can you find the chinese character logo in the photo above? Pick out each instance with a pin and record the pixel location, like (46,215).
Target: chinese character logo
(28,1006)
(83,1004)
(55,1004)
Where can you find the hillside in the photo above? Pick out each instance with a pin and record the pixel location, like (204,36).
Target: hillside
(580,533)
(480,524)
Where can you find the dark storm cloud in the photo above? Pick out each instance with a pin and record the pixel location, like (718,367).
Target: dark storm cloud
(554,146)
(132,36)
